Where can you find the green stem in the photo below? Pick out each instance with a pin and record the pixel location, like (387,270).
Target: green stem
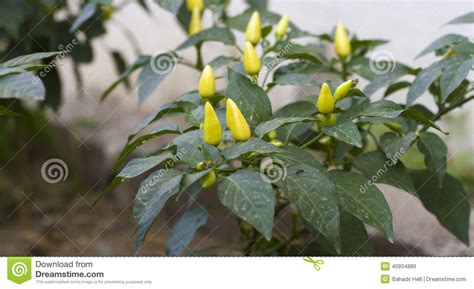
(444,110)
(313,140)
(199,64)
(345,74)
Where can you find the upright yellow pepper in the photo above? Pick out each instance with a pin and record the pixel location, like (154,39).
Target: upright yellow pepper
(343,89)
(325,100)
(208,179)
(252,63)
(282,26)
(342,42)
(253,33)
(207,83)
(331,120)
(191,4)
(212,126)
(195,26)
(236,122)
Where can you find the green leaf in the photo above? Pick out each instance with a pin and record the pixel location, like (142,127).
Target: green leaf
(218,34)
(185,229)
(131,146)
(220,61)
(251,99)
(138,166)
(85,14)
(454,73)
(27,59)
(273,124)
(435,151)
(346,131)
(420,117)
(191,149)
(142,59)
(442,42)
(463,19)
(394,145)
(387,78)
(298,132)
(171,6)
(22,86)
(120,65)
(252,145)
(298,156)
(424,79)
(449,203)
(187,101)
(250,198)
(379,169)
(396,87)
(313,194)
(292,50)
(383,108)
(153,73)
(5,111)
(295,79)
(362,200)
(152,196)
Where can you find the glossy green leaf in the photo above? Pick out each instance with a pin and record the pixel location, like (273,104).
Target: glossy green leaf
(442,42)
(384,108)
(379,169)
(152,196)
(250,198)
(346,131)
(185,229)
(252,145)
(138,166)
(434,149)
(449,203)
(463,19)
(275,123)
(251,99)
(364,201)
(314,196)
(394,145)
(131,146)
(454,73)
(218,34)
(22,86)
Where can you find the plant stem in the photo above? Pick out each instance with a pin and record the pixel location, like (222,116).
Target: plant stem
(345,74)
(445,110)
(199,64)
(313,140)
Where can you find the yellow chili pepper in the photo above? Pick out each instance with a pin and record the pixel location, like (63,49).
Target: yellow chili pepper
(236,122)
(200,166)
(325,100)
(253,33)
(342,42)
(212,126)
(276,143)
(195,26)
(343,89)
(207,83)
(208,179)
(331,120)
(252,63)
(191,4)
(282,26)
(272,135)
(108,11)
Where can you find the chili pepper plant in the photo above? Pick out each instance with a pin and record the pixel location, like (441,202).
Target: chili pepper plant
(316,160)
